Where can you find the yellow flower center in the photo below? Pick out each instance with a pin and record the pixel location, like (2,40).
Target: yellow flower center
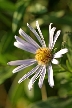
(43,56)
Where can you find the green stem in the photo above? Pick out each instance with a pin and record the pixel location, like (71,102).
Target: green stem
(44,93)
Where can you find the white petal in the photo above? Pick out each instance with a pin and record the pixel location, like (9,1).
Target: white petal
(40,33)
(30,85)
(18,39)
(20,62)
(29,74)
(54,61)
(59,53)
(35,33)
(42,76)
(50,76)
(25,47)
(55,37)
(33,79)
(23,66)
(28,38)
(51,33)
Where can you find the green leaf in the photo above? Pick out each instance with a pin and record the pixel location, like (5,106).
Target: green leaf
(69,66)
(7,5)
(54,102)
(68,41)
(5,72)
(5,20)
(18,14)
(58,18)
(37,9)
(6,42)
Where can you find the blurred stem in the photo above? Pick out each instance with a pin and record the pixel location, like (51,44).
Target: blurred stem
(43,92)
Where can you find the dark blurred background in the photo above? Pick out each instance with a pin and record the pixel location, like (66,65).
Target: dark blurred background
(15,14)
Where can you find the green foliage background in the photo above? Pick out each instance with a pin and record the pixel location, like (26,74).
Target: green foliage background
(15,14)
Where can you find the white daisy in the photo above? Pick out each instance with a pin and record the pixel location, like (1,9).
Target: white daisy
(43,55)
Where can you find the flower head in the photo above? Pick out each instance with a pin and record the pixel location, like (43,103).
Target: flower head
(43,55)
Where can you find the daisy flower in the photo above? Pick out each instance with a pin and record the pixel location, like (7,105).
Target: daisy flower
(43,55)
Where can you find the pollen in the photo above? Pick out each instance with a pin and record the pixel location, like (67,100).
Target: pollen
(43,56)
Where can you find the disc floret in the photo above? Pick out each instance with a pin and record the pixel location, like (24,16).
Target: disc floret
(43,56)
